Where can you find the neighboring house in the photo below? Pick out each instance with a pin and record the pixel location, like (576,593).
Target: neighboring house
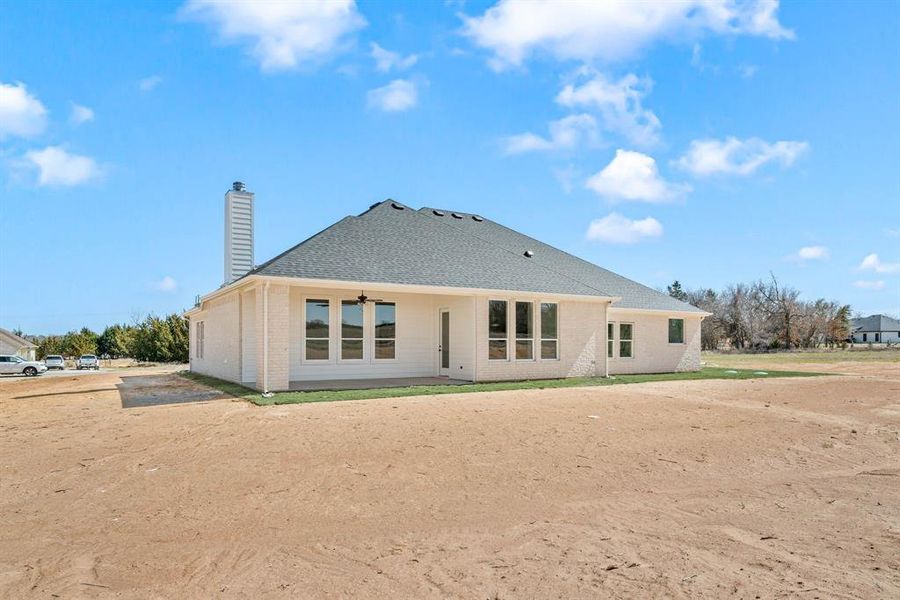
(877,329)
(11,343)
(397,292)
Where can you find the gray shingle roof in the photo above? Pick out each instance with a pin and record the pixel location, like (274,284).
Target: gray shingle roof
(875,323)
(392,243)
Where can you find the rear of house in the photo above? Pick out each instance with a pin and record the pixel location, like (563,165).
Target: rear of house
(397,292)
(875,329)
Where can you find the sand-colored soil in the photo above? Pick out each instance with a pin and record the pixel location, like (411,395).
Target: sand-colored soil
(777,488)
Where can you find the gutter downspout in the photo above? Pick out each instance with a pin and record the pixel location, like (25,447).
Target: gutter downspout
(266,392)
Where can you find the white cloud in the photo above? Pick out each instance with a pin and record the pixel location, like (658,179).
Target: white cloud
(166,284)
(80,114)
(21,114)
(57,167)
(809,253)
(747,71)
(873,263)
(892,231)
(148,84)
(619,105)
(633,176)
(397,96)
(385,60)
(281,35)
(875,285)
(616,229)
(565,134)
(732,156)
(609,30)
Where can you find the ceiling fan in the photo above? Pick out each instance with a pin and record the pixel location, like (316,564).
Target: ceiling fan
(362,298)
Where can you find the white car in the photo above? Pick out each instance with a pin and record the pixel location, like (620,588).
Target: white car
(55,361)
(16,365)
(87,361)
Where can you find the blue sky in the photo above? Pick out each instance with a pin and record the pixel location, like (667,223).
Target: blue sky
(710,143)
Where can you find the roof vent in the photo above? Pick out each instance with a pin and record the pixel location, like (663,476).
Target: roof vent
(238,186)
(397,205)
(529,254)
(477,218)
(456,215)
(438,213)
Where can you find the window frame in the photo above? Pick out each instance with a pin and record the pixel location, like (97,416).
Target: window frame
(200,338)
(374,340)
(515,318)
(669,330)
(362,339)
(304,338)
(542,339)
(506,353)
(611,339)
(620,340)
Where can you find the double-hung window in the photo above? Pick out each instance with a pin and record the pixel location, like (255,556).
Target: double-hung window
(610,339)
(524,331)
(549,331)
(676,331)
(385,330)
(317,329)
(497,329)
(351,330)
(626,340)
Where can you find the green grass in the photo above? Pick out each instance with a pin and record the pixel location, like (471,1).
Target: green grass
(255,397)
(891,355)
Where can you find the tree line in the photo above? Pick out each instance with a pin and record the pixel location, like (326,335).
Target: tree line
(766,314)
(155,339)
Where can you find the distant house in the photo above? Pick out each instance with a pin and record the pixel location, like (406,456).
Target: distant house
(397,292)
(10,343)
(877,329)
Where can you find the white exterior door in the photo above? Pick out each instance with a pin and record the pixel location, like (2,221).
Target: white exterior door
(444,344)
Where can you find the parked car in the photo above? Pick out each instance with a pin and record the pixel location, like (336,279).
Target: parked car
(16,365)
(87,361)
(55,361)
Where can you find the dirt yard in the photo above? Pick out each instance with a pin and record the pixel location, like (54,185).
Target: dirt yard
(109,487)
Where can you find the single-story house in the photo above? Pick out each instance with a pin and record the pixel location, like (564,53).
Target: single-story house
(876,329)
(11,343)
(397,292)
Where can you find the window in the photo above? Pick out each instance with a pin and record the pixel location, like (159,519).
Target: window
(385,330)
(877,337)
(198,351)
(549,331)
(610,339)
(864,338)
(317,329)
(524,331)
(497,324)
(676,331)
(351,330)
(626,349)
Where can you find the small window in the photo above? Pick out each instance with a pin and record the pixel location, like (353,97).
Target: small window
(385,330)
(317,329)
(877,337)
(524,331)
(351,330)
(676,331)
(626,348)
(497,324)
(610,338)
(200,335)
(864,338)
(549,331)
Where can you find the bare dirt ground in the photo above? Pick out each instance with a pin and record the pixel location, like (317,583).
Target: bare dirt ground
(762,488)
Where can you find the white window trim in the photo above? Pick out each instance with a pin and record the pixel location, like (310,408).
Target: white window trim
(506,339)
(200,339)
(330,338)
(683,337)
(540,331)
(340,334)
(619,340)
(516,337)
(613,339)
(396,337)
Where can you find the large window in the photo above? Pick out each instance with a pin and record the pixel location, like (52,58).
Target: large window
(497,335)
(626,341)
(610,339)
(549,331)
(676,331)
(351,330)
(317,312)
(524,331)
(385,330)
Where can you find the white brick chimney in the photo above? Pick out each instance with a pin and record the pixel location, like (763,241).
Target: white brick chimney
(238,232)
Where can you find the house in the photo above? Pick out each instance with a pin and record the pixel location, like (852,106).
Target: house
(876,329)
(397,292)
(11,343)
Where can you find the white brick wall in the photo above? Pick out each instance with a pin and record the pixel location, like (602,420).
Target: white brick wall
(651,348)
(278,336)
(221,348)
